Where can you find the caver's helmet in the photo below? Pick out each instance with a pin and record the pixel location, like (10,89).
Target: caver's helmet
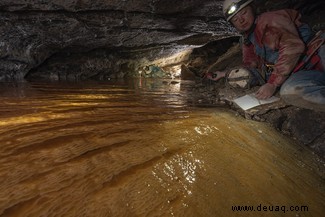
(232,7)
(239,78)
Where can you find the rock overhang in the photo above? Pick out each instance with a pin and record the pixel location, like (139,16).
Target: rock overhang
(33,32)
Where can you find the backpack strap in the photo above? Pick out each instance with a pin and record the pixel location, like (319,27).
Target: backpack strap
(311,59)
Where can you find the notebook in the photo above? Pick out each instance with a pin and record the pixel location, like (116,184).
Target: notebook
(250,101)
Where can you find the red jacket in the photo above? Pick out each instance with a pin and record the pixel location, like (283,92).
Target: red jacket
(277,30)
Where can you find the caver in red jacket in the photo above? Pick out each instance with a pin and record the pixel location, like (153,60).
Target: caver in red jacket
(278,38)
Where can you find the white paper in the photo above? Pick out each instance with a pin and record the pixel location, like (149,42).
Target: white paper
(250,101)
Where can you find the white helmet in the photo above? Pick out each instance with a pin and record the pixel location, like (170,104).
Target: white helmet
(239,78)
(232,7)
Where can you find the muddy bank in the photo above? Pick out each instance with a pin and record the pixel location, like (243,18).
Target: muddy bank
(306,126)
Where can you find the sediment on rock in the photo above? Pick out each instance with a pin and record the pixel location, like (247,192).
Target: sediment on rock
(306,126)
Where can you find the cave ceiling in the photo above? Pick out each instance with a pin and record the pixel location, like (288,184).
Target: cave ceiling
(34,31)
(45,34)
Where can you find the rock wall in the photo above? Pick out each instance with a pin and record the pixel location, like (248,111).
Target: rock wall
(102,39)
(34,31)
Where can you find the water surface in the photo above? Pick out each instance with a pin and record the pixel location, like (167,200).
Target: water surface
(143,148)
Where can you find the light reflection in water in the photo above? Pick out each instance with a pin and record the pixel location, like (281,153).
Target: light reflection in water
(118,150)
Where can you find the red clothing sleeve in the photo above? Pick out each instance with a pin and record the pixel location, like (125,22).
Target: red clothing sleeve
(278,31)
(250,59)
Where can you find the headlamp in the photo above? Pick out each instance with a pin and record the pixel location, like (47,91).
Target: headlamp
(236,6)
(232,9)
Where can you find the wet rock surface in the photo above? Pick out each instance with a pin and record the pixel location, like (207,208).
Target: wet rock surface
(306,126)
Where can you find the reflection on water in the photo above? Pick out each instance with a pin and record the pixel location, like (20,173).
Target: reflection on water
(141,149)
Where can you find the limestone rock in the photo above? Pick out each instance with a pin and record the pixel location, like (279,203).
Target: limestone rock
(34,31)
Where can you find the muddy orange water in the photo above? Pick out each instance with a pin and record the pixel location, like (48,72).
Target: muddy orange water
(144,149)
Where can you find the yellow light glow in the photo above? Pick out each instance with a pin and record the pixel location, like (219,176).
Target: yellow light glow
(232,9)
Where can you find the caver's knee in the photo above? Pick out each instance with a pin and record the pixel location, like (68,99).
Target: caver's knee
(305,89)
(287,89)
